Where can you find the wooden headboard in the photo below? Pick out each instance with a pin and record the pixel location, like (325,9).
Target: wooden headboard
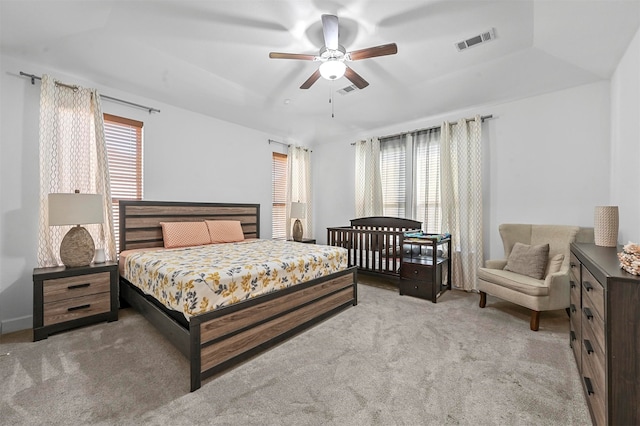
(140,220)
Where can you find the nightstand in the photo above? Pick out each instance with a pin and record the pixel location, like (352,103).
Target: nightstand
(422,275)
(307,241)
(65,298)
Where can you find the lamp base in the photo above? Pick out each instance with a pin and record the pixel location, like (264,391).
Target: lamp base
(297,230)
(77,248)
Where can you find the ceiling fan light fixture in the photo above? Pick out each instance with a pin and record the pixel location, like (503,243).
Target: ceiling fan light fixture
(332,69)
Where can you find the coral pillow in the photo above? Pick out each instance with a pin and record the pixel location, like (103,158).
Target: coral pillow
(225,231)
(184,234)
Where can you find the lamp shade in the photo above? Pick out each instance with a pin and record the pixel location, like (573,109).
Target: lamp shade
(298,210)
(75,209)
(332,69)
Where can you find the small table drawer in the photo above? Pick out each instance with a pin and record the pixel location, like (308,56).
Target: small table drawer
(77,286)
(574,266)
(594,291)
(414,271)
(415,288)
(78,307)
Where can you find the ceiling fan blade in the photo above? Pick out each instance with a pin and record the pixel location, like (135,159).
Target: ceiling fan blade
(355,78)
(314,77)
(331,31)
(278,55)
(372,52)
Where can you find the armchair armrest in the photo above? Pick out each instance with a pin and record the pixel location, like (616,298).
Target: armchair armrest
(496,264)
(559,290)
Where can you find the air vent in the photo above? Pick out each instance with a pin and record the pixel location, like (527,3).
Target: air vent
(476,40)
(347,90)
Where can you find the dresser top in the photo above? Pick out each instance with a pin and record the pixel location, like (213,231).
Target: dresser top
(602,261)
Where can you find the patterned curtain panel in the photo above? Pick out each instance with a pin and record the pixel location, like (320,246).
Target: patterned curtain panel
(368,179)
(299,187)
(72,156)
(461,163)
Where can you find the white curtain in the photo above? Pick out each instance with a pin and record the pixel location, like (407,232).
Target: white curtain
(461,162)
(427,186)
(368,179)
(299,187)
(73,156)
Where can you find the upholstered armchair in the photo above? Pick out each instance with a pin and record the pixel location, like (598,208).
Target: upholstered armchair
(535,270)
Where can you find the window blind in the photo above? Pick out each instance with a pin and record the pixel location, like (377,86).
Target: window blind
(393,171)
(123,138)
(279,196)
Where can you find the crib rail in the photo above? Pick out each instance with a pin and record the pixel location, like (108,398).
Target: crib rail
(370,248)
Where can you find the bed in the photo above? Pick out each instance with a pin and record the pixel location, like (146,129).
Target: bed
(374,244)
(219,339)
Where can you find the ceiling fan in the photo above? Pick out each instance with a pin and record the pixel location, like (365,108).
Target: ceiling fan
(333,56)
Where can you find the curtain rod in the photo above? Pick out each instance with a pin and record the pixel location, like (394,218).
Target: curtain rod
(483,118)
(109,98)
(285,144)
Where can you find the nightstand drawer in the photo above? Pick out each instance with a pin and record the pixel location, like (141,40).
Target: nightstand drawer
(78,307)
(78,286)
(413,271)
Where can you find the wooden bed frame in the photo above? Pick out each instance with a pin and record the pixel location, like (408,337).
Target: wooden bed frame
(218,340)
(374,243)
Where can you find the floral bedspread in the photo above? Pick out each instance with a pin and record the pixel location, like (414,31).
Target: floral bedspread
(194,280)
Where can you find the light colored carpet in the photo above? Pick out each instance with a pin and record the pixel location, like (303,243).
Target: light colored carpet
(389,360)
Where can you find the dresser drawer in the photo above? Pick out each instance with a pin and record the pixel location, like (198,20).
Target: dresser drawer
(78,307)
(575,340)
(414,271)
(595,393)
(593,355)
(592,323)
(76,286)
(593,290)
(574,267)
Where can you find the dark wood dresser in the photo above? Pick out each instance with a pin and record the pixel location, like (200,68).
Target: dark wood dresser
(605,333)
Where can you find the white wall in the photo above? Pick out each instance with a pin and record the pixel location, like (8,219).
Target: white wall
(546,161)
(625,142)
(187,157)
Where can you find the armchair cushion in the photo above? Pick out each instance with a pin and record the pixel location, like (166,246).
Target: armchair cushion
(529,260)
(514,281)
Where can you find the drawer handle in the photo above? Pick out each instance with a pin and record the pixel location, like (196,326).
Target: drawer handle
(573,308)
(573,284)
(573,265)
(415,271)
(588,286)
(588,347)
(74,287)
(573,335)
(76,308)
(587,313)
(588,385)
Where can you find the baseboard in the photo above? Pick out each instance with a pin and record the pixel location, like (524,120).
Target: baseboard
(16,324)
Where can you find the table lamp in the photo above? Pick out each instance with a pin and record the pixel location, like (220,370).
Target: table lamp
(77,247)
(298,211)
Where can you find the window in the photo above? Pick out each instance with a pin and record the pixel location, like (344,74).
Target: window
(393,160)
(123,138)
(410,168)
(279,196)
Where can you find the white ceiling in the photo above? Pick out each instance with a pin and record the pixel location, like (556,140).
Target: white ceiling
(212,56)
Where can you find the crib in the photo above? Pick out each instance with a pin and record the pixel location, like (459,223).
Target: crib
(374,244)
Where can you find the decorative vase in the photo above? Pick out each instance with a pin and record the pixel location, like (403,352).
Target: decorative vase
(605,226)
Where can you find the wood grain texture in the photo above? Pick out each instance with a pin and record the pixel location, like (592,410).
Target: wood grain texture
(224,350)
(71,287)
(78,307)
